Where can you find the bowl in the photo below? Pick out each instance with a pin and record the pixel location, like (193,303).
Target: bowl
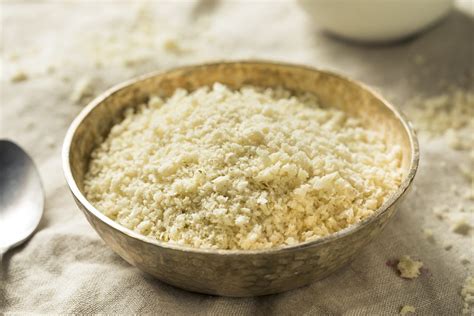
(376,20)
(237,272)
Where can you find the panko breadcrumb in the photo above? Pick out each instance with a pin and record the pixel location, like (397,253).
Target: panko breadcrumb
(409,269)
(19,76)
(449,114)
(248,169)
(467,293)
(407,309)
(462,227)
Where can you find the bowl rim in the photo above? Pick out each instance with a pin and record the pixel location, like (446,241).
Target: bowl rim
(77,194)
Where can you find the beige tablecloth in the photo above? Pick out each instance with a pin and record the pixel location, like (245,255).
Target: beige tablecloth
(67,268)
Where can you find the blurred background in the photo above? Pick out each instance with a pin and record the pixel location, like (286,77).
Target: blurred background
(57,55)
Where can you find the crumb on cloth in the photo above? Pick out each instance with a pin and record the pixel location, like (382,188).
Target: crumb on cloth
(407,309)
(440,211)
(462,227)
(19,76)
(174,46)
(465,260)
(408,268)
(467,293)
(448,115)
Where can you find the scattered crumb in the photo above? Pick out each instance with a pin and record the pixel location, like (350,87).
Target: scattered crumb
(19,76)
(440,211)
(448,247)
(143,20)
(407,309)
(469,195)
(460,208)
(82,90)
(429,235)
(456,141)
(449,115)
(464,260)
(467,172)
(467,293)
(172,45)
(409,269)
(440,216)
(135,61)
(462,227)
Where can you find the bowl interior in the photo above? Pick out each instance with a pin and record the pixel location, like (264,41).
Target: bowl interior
(93,124)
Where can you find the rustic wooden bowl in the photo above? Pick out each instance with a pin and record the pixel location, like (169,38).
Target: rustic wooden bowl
(237,272)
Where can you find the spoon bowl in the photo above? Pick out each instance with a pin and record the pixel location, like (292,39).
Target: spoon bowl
(21,196)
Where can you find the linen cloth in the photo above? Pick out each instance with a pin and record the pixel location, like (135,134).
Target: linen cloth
(66,268)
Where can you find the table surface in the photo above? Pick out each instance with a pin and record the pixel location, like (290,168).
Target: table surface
(66,267)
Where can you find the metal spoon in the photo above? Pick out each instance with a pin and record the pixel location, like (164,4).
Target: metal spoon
(21,196)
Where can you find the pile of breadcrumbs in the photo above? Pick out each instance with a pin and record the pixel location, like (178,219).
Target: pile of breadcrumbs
(248,169)
(449,115)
